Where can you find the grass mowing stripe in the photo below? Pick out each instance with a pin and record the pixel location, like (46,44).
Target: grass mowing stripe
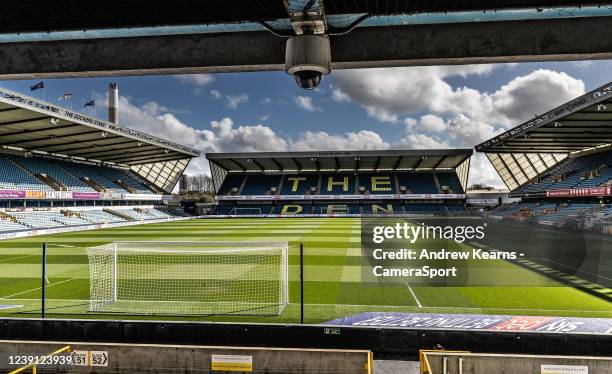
(37,288)
(334,287)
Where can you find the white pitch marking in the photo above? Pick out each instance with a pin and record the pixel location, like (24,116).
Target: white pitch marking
(15,258)
(413,295)
(37,288)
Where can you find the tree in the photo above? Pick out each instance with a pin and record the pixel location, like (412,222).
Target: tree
(197,183)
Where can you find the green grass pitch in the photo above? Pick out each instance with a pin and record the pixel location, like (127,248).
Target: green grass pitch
(333,274)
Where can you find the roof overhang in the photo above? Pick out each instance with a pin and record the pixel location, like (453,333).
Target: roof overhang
(35,127)
(93,14)
(582,123)
(270,162)
(529,150)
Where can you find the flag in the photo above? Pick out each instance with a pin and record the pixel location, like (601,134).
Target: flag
(37,86)
(90,103)
(66,96)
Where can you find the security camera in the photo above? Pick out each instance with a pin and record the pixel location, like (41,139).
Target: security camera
(308,59)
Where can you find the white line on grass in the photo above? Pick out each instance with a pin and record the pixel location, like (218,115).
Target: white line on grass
(413,295)
(62,245)
(37,288)
(15,258)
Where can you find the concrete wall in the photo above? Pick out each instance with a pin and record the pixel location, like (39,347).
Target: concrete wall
(168,359)
(510,364)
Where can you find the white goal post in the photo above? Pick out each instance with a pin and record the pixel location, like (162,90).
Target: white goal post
(187,278)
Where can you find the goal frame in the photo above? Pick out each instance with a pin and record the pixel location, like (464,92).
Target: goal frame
(257,211)
(226,248)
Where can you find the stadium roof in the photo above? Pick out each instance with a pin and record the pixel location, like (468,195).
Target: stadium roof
(581,125)
(35,16)
(87,38)
(340,160)
(31,125)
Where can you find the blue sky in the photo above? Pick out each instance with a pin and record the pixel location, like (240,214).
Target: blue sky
(417,107)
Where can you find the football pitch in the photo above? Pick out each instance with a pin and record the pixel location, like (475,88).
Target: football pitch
(335,286)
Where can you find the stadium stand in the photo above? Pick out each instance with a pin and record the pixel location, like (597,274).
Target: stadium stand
(302,184)
(99,216)
(45,167)
(383,208)
(426,208)
(561,172)
(340,183)
(337,184)
(418,182)
(17,178)
(261,184)
(377,183)
(457,210)
(40,219)
(451,181)
(8,226)
(41,174)
(231,184)
(66,169)
(587,171)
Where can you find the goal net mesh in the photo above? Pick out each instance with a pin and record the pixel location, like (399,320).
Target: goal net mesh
(178,278)
(247,211)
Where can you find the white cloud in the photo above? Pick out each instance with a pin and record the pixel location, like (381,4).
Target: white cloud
(420,141)
(339,96)
(266,100)
(306,103)
(381,114)
(533,94)
(433,113)
(323,141)
(481,171)
(198,80)
(256,138)
(388,93)
(233,101)
(216,94)
(454,116)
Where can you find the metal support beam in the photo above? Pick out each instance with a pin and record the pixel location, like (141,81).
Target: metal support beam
(409,45)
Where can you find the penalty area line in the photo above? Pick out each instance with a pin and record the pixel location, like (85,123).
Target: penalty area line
(413,295)
(36,289)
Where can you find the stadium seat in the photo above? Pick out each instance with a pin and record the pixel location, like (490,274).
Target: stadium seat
(451,181)
(587,171)
(299,184)
(44,166)
(426,208)
(383,207)
(378,183)
(418,183)
(15,177)
(231,182)
(260,184)
(91,172)
(337,184)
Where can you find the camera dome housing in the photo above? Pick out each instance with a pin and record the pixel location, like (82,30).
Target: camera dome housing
(308,59)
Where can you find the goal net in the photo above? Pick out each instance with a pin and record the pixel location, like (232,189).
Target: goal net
(178,278)
(246,211)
